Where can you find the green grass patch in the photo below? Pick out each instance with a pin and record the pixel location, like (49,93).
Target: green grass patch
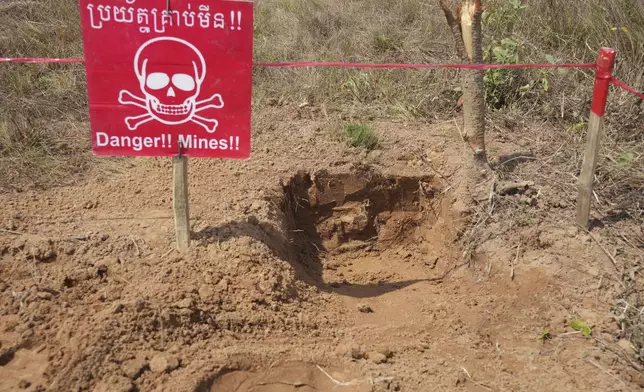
(361,135)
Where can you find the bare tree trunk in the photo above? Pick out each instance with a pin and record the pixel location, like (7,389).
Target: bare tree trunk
(466,27)
(472,80)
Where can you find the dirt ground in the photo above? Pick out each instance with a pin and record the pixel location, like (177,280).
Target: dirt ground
(313,267)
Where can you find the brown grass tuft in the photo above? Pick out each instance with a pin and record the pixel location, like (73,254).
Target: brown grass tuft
(44,133)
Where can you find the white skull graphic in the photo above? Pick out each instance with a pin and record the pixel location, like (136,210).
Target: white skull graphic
(171,72)
(170,89)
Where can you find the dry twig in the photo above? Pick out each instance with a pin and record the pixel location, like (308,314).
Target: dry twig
(337,383)
(599,286)
(514,262)
(458,128)
(136,246)
(291,384)
(612,259)
(11,232)
(598,366)
(611,347)
(469,377)
(426,162)
(566,334)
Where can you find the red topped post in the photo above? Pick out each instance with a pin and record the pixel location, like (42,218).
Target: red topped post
(603,74)
(605,65)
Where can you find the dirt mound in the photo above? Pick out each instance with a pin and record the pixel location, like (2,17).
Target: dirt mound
(237,280)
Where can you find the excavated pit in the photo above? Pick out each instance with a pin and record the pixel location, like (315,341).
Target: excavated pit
(343,212)
(358,234)
(287,377)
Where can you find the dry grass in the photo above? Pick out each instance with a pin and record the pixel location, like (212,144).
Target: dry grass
(44,133)
(414,31)
(409,31)
(43,109)
(572,32)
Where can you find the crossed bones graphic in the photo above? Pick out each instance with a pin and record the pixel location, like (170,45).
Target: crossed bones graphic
(210,125)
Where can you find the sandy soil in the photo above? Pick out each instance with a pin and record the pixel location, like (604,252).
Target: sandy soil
(313,266)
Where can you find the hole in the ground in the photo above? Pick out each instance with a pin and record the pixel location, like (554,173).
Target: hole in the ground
(339,213)
(292,376)
(6,355)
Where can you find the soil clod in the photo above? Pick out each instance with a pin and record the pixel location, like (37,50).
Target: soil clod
(513,188)
(135,367)
(164,363)
(378,358)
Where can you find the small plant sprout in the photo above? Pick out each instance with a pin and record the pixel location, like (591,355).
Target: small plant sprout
(545,335)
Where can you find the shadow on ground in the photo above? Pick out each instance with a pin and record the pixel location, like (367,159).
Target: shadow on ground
(301,251)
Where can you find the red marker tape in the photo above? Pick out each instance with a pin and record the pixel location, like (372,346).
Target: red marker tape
(613,80)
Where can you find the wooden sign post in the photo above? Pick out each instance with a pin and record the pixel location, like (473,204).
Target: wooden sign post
(180,203)
(603,74)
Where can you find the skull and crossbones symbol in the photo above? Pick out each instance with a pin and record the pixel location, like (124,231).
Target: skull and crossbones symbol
(170,88)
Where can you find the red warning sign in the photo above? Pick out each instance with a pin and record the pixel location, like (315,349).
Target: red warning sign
(169,77)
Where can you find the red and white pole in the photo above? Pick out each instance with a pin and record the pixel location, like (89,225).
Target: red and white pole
(603,75)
